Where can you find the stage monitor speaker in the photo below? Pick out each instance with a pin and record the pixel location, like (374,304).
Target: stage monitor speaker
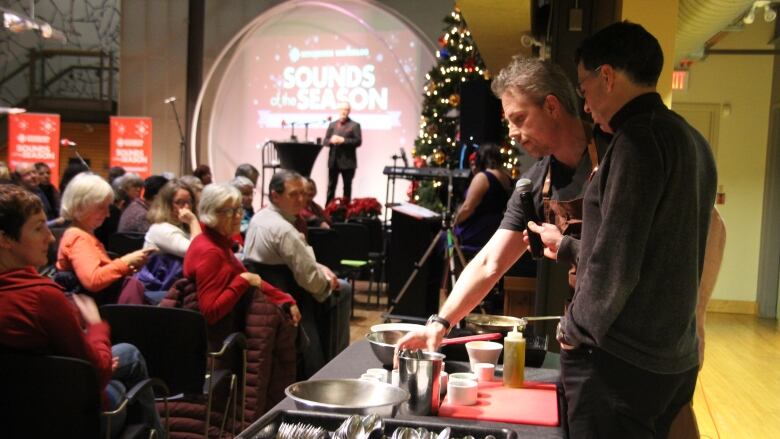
(409,240)
(480,113)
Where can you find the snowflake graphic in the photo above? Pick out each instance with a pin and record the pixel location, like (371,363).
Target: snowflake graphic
(48,126)
(120,128)
(142,129)
(22,124)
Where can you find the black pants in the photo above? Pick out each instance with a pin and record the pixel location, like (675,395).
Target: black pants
(346,179)
(609,398)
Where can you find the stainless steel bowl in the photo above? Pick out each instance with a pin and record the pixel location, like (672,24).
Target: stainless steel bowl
(347,396)
(482,323)
(383,344)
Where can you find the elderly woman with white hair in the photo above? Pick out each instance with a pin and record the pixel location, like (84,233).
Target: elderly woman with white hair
(247,189)
(85,203)
(220,278)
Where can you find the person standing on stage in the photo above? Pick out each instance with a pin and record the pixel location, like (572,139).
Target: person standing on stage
(343,137)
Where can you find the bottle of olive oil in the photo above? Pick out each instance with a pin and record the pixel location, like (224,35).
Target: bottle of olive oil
(514,359)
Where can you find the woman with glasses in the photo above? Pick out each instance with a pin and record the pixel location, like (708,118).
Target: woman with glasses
(220,278)
(173,222)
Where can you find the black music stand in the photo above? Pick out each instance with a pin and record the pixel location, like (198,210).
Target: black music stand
(299,157)
(449,255)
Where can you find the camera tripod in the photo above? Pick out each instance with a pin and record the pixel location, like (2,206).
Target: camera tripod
(452,249)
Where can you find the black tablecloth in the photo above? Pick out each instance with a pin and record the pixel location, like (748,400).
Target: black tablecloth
(354,361)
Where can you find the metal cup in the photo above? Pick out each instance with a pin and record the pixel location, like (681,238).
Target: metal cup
(419,374)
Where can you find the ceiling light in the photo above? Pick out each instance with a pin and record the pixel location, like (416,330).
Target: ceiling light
(750,17)
(17,23)
(11,110)
(769,13)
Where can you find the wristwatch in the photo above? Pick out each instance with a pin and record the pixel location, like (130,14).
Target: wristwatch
(559,335)
(435,318)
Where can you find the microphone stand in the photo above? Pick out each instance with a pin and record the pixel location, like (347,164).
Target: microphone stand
(390,195)
(78,156)
(292,133)
(182,142)
(452,250)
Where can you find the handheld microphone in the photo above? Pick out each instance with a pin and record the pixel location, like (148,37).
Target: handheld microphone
(169,100)
(403,158)
(527,204)
(66,142)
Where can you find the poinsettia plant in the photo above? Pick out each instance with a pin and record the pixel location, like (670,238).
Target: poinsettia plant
(340,210)
(364,208)
(337,209)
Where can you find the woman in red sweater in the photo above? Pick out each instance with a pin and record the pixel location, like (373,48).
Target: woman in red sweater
(220,278)
(36,317)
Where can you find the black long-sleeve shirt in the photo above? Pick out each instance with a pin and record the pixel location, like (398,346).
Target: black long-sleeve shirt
(645,221)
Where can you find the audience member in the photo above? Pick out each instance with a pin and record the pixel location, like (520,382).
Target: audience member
(74,168)
(49,190)
(221,279)
(27,177)
(313,213)
(85,202)
(173,222)
(127,188)
(118,184)
(195,184)
(203,172)
(247,189)
(115,172)
(36,317)
(248,171)
(273,240)
(5,173)
(133,218)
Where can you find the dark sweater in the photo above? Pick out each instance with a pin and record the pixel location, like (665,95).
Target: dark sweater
(646,216)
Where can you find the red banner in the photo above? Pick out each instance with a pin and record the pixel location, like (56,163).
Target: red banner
(131,144)
(35,138)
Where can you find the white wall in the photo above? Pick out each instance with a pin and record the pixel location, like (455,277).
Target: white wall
(743,83)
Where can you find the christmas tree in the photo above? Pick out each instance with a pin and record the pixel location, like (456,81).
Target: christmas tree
(439,143)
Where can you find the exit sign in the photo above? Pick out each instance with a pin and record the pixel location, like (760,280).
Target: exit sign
(680,80)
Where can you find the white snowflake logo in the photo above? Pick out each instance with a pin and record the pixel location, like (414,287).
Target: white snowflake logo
(142,129)
(48,126)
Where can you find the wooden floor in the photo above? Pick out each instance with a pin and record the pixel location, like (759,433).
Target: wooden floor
(738,393)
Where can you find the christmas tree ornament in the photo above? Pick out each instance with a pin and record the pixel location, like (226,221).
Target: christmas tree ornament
(454,99)
(439,157)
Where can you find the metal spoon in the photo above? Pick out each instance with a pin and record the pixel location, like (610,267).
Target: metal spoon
(444,434)
(405,433)
(373,426)
(351,428)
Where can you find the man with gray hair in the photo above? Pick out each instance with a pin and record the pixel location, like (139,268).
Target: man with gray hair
(540,105)
(273,243)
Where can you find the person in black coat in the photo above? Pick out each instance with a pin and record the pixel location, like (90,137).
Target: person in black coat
(343,137)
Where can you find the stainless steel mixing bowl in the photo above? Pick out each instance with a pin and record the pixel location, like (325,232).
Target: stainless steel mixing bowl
(383,344)
(347,396)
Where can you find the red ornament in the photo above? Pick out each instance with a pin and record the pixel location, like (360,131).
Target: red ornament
(442,41)
(470,64)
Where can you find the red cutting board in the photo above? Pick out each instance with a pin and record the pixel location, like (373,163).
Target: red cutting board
(535,404)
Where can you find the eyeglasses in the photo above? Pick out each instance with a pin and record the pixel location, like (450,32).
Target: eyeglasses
(579,90)
(231,211)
